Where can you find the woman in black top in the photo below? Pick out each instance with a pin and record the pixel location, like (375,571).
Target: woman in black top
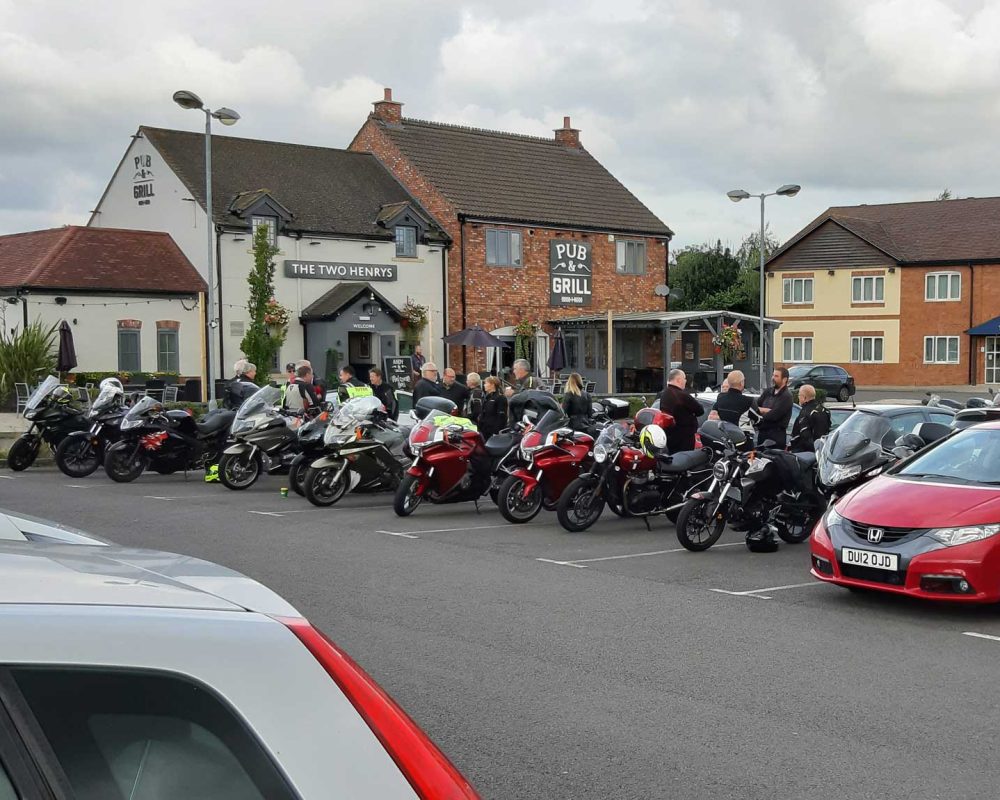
(493,416)
(576,403)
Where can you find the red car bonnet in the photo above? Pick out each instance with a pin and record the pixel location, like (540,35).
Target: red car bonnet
(895,503)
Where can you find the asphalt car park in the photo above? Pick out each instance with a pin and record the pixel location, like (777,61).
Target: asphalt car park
(610,663)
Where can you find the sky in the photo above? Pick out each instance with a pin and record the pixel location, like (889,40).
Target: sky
(859,101)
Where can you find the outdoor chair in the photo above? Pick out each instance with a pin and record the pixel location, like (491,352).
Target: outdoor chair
(170,394)
(23,393)
(83,395)
(591,387)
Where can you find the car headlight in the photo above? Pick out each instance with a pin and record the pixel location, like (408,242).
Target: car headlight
(970,533)
(832,518)
(720,470)
(831,474)
(600,454)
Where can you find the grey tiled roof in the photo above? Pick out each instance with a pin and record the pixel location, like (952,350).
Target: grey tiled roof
(342,295)
(327,190)
(506,176)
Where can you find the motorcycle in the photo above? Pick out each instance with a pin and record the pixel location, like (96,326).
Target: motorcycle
(53,416)
(165,441)
(82,452)
(551,456)
(310,447)
(362,444)
(264,438)
(764,492)
(855,453)
(629,480)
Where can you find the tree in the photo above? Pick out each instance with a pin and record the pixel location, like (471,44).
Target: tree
(945,195)
(262,341)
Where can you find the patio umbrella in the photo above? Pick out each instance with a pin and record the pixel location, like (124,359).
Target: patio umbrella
(557,360)
(474,336)
(66,360)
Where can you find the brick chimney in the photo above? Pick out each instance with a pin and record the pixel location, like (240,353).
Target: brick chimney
(567,135)
(388,110)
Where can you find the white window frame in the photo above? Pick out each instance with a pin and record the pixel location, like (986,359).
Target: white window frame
(406,241)
(788,286)
(951,298)
(788,347)
(514,243)
(272,228)
(877,284)
(630,257)
(858,354)
(936,342)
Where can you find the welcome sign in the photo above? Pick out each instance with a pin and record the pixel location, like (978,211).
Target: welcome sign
(332,271)
(570,272)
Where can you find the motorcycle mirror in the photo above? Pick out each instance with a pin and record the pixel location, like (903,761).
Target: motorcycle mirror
(768,443)
(902,452)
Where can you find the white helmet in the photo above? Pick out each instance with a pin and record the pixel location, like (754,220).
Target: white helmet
(653,440)
(112,382)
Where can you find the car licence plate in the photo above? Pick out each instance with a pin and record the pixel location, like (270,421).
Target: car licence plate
(869,558)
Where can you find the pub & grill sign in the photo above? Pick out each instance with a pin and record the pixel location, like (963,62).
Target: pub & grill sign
(328,270)
(570,273)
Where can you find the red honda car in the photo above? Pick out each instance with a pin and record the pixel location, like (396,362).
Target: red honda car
(927,528)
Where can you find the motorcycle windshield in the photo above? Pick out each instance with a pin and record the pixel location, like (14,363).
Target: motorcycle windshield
(45,388)
(356,409)
(611,435)
(860,434)
(264,400)
(550,421)
(109,397)
(141,409)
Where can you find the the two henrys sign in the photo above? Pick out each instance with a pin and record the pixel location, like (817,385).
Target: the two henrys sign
(570,271)
(340,272)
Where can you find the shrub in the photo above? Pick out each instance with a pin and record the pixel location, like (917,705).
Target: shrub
(26,356)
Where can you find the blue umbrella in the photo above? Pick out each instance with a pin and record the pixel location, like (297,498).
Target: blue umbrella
(557,359)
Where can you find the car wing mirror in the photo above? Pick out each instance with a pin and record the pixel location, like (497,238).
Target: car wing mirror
(901,452)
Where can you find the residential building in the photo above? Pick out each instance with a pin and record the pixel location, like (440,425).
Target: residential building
(901,294)
(132,298)
(541,231)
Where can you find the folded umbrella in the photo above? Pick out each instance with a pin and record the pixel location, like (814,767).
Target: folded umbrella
(66,359)
(557,359)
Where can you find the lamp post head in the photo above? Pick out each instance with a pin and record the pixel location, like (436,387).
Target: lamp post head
(789,190)
(226,116)
(188,100)
(738,194)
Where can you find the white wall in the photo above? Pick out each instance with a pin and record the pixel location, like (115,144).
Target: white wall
(94,321)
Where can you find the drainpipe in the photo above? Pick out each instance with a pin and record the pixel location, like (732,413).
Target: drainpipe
(444,286)
(972,309)
(461,223)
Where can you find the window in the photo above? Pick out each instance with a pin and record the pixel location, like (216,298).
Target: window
(276,361)
(631,257)
(272,227)
(942,418)
(406,241)
(867,349)
(797,348)
(128,350)
(503,248)
(868,289)
(167,350)
(943,286)
(797,290)
(595,349)
(940,349)
(901,425)
(131,734)
(572,351)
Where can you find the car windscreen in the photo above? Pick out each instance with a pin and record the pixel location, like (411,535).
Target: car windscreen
(862,430)
(798,372)
(971,456)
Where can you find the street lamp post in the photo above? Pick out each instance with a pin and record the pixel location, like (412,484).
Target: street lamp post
(189,100)
(788,190)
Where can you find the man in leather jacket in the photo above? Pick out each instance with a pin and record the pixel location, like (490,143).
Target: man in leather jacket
(813,421)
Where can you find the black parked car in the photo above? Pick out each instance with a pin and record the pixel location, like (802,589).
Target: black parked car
(835,381)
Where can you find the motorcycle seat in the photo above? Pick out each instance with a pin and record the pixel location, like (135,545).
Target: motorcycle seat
(177,415)
(807,458)
(215,421)
(499,443)
(684,460)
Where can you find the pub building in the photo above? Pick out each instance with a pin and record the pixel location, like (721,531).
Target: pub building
(540,231)
(354,246)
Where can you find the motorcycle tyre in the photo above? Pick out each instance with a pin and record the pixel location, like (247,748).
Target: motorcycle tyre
(88,468)
(316,494)
(227,461)
(405,495)
(796,538)
(297,477)
(112,458)
(567,504)
(514,484)
(684,519)
(22,453)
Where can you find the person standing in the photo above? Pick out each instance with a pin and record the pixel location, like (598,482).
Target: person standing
(523,379)
(475,403)
(684,409)
(383,391)
(732,404)
(299,396)
(350,386)
(417,362)
(493,417)
(775,407)
(812,423)
(576,403)
(242,386)
(427,386)
(454,390)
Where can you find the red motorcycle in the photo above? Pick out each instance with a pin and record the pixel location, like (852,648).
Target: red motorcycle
(551,457)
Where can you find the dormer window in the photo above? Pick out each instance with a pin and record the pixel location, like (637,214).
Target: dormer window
(272,228)
(406,241)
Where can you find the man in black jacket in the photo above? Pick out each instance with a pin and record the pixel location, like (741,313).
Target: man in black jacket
(813,421)
(455,390)
(775,406)
(427,386)
(242,386)
(731,404)
(684,409)
(383,391)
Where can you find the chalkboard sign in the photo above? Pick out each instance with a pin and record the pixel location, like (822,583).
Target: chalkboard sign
(397,373)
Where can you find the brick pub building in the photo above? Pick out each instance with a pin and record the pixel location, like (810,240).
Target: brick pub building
(541,231)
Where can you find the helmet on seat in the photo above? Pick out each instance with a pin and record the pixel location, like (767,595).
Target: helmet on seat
(653,440)
(61,395)
(652,416)
(111,382)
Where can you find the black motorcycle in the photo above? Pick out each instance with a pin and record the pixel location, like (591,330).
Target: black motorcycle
(53,415)
(764,492)
(310,448)
(363,454)
(82,452)
(165,441)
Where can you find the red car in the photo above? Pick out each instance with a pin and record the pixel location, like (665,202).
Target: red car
(927,528)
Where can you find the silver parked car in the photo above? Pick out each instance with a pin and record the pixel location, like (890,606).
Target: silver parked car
(134,674)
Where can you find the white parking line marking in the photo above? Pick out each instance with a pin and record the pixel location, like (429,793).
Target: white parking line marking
(268,513)
(8,477)
(474,528)
(741,594)
(581,563)
(981,636)
(78,486)
(185,497)
(562,563)
(397,533)
(760,592)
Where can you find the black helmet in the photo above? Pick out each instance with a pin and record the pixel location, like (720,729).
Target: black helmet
(442,405)
(762,540)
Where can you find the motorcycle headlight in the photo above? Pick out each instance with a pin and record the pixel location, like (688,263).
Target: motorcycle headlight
(831,474)
(600,454)
(720,470)
(128,424)
(951,537)
(30,413)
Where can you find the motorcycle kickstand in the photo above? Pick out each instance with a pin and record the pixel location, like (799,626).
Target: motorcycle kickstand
(648,526)
(476,503)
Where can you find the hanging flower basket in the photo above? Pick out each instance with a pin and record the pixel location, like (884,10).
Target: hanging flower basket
(413,320)
(276,315)
(728,342)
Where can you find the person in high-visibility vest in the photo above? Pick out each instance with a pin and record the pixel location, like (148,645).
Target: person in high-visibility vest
(350,386)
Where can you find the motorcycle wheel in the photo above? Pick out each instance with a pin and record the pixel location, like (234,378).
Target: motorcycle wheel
(696,530)
(297,477)
(236,472)
(406,500)
(165,468)
(323,488)
(22,453)
(579,507)
(796,531)
(495,495)
(120,466)
(513,505)
(77,457)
